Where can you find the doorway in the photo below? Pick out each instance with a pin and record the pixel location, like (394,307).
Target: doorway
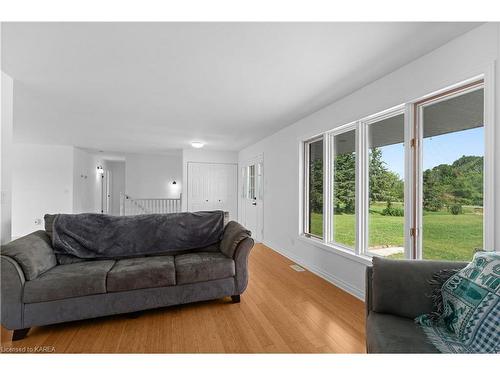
(105,191)
(252,196)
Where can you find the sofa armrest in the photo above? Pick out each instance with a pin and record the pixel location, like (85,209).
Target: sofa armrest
(401,287)
(11,293)
(241,263)
(33,253)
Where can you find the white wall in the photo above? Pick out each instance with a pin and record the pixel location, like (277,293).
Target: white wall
(7,94)
(42,182)
(470,54)
(117,169)
(203,156)
(64,179)
(151,176)
(86,182)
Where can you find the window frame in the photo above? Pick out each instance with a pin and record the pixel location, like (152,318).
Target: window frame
(251,188)
(412,175)
(328,209)
(418,107)
(305,188)
(365,170)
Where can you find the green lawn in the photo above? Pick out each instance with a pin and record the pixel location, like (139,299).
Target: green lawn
(445,236)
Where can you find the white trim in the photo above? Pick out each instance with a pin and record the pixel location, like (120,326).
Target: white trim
(361,189)
(327,188)
(348,288)
(419,183)
(329,218)
(444,88)
(337,249)
(489,158)
(365,123)
(305,186)
(302,191)
(408,178)
(383,115)
(343,128)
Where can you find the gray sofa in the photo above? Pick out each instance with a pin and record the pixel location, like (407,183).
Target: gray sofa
(397,291)
(36,290)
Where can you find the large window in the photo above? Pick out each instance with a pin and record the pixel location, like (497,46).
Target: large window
(386,160)
(344,188)
(410,182)
(453,165)
(314,188)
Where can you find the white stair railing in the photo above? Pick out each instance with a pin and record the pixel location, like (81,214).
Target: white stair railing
(140,206)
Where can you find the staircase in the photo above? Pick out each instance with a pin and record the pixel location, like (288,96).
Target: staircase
(141,206)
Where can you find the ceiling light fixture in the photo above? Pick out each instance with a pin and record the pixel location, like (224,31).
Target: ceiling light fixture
(197,144)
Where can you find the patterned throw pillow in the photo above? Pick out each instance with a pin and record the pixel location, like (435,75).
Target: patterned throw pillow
(470,321)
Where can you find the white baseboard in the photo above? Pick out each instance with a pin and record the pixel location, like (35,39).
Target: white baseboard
(356,292)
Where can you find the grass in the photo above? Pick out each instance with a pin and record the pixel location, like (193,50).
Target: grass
(445,236)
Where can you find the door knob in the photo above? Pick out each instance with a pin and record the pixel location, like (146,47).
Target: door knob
(254,204)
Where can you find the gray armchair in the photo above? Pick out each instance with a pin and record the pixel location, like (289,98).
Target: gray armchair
(397,291)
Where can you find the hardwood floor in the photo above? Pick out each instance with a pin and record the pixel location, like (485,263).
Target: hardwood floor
(282,311)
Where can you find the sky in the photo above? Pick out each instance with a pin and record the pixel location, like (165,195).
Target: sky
(443,149)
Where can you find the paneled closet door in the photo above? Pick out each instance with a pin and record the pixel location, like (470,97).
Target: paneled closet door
(212,186)
(198,187)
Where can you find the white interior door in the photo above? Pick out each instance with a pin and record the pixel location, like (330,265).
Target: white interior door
(106,192)
(212,186)
(198,187)
(253,197)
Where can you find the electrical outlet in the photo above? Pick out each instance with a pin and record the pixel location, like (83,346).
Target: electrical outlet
(38,221)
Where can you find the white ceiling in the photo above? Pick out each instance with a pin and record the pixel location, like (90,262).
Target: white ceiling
(150,87)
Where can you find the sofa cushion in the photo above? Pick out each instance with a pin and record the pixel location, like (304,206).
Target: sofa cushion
(395,282)
(387,333)
(141,273)
(234,233)
(67,281)
(33,253)
(203,266)
(69,259)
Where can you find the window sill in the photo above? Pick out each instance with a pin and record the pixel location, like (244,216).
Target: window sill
(337,250)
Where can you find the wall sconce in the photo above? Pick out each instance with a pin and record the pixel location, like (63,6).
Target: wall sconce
(100,169)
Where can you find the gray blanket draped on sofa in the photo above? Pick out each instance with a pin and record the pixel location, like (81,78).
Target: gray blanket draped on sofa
(97,236)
